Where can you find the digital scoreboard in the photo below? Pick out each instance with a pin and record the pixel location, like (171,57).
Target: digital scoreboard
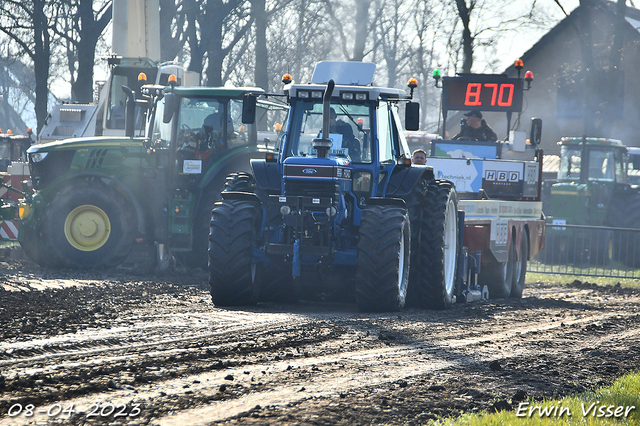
(485,92)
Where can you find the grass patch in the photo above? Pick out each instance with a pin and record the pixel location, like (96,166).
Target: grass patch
(533,277)
(624,392)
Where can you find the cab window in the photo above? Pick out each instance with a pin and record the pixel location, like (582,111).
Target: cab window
(570,164)
(161,132)
(385,132)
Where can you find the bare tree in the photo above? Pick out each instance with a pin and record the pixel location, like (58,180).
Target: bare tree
(485,22)
(83,23)
(299,37)
(28,26)
(428,25)
(601,62)
(390,36)
(353,41)
(173,20)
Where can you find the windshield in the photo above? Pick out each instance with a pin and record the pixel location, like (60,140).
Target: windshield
(604,164)
(5,151)
(271,120)
(349,131)
(569,164)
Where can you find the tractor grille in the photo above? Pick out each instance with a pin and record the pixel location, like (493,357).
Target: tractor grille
(53,166)
(324,188)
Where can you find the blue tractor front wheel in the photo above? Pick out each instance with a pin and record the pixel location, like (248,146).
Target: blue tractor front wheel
(233,277)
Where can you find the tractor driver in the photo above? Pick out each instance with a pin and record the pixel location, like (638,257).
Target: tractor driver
(475,128)
(210,136)
(349,140)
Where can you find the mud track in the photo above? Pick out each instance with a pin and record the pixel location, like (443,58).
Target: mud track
(120,347)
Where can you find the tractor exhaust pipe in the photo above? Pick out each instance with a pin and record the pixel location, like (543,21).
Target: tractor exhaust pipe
(130,112)
(323,144)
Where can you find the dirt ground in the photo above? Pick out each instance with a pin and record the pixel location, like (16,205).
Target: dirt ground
(123,347)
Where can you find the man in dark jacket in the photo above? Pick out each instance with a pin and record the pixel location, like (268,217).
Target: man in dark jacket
(476,128)
(349,140)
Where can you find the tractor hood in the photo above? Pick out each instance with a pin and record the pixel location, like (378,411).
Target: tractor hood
(89,142)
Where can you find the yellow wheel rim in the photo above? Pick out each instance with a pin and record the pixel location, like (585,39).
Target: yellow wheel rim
(87,228)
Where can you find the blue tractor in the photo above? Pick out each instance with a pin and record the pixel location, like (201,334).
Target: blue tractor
(339,207)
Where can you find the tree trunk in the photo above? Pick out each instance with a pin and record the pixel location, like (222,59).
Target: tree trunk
(89,31)
(215,52)
(41,60)
(361,34)
(170,44)
(196,50)
(589,114)
(300,45)
(464,13)
(261,72)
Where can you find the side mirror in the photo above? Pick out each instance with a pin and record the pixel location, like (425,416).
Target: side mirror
(170,107)
(412,116)
(249,109)
(536,131)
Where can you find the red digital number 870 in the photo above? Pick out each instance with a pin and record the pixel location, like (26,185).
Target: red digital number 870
(472,97)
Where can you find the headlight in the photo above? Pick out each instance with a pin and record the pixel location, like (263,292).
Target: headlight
(38,156)
(285,210)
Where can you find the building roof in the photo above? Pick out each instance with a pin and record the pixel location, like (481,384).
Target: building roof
(632,16)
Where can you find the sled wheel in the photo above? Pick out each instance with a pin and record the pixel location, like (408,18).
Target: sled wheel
(520,270)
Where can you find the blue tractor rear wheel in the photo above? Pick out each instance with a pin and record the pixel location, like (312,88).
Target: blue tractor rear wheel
(384,250)
(438,247)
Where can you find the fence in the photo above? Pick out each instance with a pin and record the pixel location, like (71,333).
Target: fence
(589,250)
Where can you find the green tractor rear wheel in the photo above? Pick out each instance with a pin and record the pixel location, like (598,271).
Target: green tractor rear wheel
(87,225)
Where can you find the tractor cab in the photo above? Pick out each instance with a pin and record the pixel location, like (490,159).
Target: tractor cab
(633,165)
(590,170)
(365,135)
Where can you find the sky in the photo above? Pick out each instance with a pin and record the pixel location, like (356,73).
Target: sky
(515,46)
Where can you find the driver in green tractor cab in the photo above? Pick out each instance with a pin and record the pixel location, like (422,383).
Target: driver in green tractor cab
(207,140)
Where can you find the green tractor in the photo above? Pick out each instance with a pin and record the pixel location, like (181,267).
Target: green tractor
(95,197)
(592,190)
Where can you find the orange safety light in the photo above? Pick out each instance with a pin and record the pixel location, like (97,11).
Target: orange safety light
(9,132)
(286,79)
(142,77)
(519,64)
(277,127)
(29,130)
(173,80)
(413,83)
